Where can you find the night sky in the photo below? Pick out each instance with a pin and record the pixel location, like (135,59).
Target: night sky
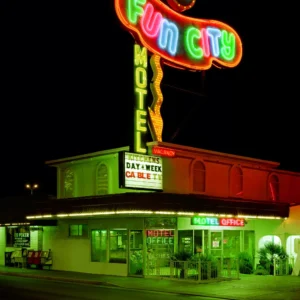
(66,87)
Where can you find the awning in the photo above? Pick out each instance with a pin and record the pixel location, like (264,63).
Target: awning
(162,202)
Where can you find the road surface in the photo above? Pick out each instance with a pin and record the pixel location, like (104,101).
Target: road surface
(13,287)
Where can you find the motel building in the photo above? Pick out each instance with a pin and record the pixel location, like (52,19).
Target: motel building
(118,212)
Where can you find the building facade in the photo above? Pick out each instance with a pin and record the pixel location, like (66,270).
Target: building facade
(199,201)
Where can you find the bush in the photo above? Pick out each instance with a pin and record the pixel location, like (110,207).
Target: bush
(206,260)
(268,253)
(181,256)
(245,263)
(261,271)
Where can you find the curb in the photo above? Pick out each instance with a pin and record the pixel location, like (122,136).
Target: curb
(71,280)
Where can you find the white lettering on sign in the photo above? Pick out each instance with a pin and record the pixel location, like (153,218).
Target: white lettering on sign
(143,171)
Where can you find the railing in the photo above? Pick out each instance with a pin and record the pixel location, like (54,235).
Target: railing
(282,266)
(277,266)
(193,270)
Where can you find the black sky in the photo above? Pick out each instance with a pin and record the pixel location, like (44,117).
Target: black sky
(66,87)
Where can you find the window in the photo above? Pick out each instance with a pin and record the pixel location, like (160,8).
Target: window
(198,175)
(185,241)
(117,245)
(99,246)
(78,230)
(231,243)
(236,181)
(102,180)
(274,239)
(273,188)
(191,241)
(68,183)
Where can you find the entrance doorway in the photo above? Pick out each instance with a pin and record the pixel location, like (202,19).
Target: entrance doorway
(135,267)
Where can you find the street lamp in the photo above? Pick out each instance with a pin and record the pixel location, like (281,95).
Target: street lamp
(31,187)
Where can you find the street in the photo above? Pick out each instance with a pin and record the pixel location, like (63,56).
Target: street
(21,288)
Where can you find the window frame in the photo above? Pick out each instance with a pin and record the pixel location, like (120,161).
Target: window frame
(84,230)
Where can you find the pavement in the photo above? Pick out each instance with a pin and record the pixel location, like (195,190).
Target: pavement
(258,287)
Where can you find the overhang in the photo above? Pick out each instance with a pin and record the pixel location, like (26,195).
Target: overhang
(166,202)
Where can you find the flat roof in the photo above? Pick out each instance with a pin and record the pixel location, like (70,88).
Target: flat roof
(200,151)
(197,151)
(88,155)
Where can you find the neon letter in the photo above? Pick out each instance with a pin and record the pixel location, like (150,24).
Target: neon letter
(214,35)
(168,35)
(134,9)
(141,77)
(191,34)
(227,45)
(205,42)
(141,118)
(140,56)
(150,21)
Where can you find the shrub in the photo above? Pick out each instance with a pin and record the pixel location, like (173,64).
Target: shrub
(245,263)
(268,253)
(261,271)
(206,261)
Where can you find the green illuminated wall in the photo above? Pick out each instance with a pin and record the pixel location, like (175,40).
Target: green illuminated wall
(90,176)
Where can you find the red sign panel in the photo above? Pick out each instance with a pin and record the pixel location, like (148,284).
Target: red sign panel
(156,150)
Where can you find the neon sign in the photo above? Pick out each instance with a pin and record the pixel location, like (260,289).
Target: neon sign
(156,150)
(165,233)
(140,89)
(160,237)
(181,41)
(212,221)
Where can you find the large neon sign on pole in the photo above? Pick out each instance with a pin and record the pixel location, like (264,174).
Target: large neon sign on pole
(178,41)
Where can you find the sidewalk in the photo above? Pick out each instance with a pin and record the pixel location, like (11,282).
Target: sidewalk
(247,287)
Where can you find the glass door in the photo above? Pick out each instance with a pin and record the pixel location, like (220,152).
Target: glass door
(135,253)
(216,243)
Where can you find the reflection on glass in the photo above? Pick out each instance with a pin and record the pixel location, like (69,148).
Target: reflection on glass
(117,246)
(98,247)
(231,243)
(185,241)
(216,243)
(136,252)
(136,262)
(136,239)
(198,242)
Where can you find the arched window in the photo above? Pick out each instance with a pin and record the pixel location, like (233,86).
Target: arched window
(68,183)
(273,187)
(236,182)
(102,180)
(274,239)
(198,177)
